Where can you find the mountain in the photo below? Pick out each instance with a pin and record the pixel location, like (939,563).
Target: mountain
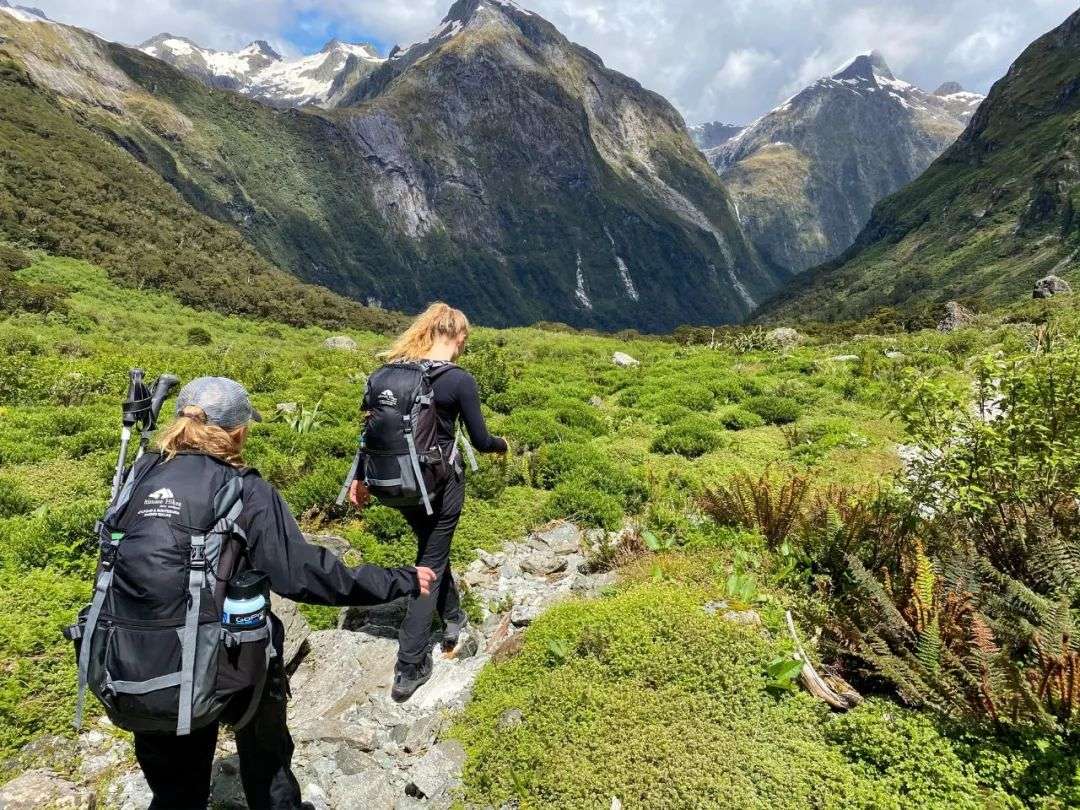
(23,13)
(995,213)
(711,135)
(806,175)
(260,72)
(495,165)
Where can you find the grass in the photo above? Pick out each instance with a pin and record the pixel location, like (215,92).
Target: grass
(594,446)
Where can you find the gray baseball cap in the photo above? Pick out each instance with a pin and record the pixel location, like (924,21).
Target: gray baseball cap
(225,401)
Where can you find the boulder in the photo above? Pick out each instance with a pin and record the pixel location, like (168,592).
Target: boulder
(956,317)
(44,789)
(511,718)
(418,735)
(1050,286)
(297,628)
(524,614)
(624,360)
(562,538)
(340,343)
(596,402)
(845,358)
(543,563)
(784,338)
(438,772)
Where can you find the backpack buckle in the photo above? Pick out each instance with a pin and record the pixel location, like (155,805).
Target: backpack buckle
(198,557)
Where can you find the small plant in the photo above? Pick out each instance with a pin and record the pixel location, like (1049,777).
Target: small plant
(691,437)
(198,336)
(656,544)
(783,674)
(774,410)
(304,420)
(759,504)
(742,591)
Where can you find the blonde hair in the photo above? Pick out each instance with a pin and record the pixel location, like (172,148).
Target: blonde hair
(190,432)
(439,320)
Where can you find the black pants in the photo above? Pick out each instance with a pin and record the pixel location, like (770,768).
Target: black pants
(434,534)
(179,769)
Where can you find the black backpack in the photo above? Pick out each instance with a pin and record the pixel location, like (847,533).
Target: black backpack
(400,460)
(151,645)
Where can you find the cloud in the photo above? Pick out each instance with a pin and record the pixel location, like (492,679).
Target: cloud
(715,59)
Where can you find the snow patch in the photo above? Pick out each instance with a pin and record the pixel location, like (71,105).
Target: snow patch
(23,13)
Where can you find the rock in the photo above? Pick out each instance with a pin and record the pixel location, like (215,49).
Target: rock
(748,618)
(895,355)
(368,790)
(624,360)
(339,545)
(340,343)
(956,317)
(523,615)
(712,608)
(511,718)
(362,738)
(510,570)
(419,735)
(596,402)
(508,648)
(130,792)
(284,408)
(1050,286)
(490,561)
(438,772)
(845,358)
(341,669)
(562,538)
(615,803)
(784,338)
(543,563)
(297,629)
(38,789)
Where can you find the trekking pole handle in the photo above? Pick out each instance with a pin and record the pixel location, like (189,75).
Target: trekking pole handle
(353,470)
(162,388)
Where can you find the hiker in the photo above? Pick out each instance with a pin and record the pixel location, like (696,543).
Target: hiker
(191,549)
(421,472)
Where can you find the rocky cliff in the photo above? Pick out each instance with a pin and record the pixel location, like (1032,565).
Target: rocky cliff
(995,213)
(713,134)
(495,165)
(806,175)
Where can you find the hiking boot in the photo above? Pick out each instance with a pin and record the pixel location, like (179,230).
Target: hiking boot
(410,677)
(452,632)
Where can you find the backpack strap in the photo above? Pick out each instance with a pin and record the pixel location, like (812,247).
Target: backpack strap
(228,504)
(414,459)
(110,542)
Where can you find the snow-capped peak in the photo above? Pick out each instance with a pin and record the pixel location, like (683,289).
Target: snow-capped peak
(23,13)
(259,71)
(868,65)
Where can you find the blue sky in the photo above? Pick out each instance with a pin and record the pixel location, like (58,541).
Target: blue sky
(714,59)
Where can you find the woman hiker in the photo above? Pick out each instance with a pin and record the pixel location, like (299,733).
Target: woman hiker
(434,341)
(200,452)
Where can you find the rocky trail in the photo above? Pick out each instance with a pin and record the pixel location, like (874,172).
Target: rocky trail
(355,748)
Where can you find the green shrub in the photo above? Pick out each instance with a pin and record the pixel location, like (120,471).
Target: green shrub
(386,524)
(533,428)
(584,464)
(773,409)
(487,362)
(576,501)
(691,437)
(198,336)
(12,501)
(739,418)
(12,259)
(668,414)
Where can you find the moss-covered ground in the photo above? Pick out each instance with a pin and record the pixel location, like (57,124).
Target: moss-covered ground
(640,694)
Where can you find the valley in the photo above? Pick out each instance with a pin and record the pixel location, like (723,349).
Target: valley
(784,400)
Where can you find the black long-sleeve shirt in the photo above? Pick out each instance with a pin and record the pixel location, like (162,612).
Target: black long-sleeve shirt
(456,396)
(302,571)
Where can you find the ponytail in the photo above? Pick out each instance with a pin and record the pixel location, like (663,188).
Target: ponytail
(191,432)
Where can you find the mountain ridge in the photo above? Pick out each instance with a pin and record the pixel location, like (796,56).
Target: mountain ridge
(993,214)
(806,175)
(508,172)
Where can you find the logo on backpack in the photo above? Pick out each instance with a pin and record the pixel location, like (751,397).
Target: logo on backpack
(161,503)
(388,399)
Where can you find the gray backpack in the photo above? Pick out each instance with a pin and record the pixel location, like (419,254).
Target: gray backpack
(151,645)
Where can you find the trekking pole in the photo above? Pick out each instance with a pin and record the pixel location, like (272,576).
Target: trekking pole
(353,470)
(163,386)
(135,404)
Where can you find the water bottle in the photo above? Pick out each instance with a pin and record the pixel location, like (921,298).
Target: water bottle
(247,602)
